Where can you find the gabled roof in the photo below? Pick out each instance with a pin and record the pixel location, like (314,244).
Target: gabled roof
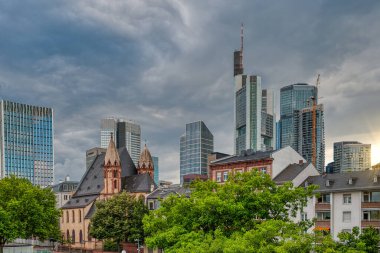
(71,186)
(290,172)
(138,183)
(246,156)
(112,156)
(92,182)
(360,180)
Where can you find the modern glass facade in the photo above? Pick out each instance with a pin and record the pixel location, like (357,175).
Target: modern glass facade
(305,135)
(156,170)
(127,134)
(351,156)
(195,145)
(293,97)
(26,139)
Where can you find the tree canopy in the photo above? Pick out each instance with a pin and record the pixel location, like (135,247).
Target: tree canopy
(119,218)
(249,213)
(26,210)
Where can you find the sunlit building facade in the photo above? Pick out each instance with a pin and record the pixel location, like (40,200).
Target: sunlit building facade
(26,142)
(351,156)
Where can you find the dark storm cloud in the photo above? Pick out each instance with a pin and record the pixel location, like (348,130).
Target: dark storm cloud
(167,63)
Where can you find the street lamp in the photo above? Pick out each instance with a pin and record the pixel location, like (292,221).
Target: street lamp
(138,245)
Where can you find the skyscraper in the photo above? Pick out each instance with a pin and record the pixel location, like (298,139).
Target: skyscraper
(351,156)
(293,97)
(254,110)
(195,145)
(156,170)
(296,122)
(26,142)
(305,135)
(127,134)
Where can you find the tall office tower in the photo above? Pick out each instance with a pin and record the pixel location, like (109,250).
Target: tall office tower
(351,156)
(26,142)
(195,145)
(293,97)
(304,123)
(156,170)
(127,134)
(268,120)
(238,56)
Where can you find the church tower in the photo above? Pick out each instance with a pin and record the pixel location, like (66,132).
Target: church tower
(145,163)
(112,169)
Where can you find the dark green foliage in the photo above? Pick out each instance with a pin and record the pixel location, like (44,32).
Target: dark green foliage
(26,211)
(119,218)
(110,245)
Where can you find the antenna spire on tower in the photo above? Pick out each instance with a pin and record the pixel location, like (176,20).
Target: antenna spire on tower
(241,37)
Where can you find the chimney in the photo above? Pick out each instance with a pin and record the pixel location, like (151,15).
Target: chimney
(300,162)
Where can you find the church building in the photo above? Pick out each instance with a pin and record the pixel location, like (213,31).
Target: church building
(109,174)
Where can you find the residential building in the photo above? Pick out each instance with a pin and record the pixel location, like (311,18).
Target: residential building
(91,155)
(64,190)
(304,125)
(108,175)
(127,134)
(26,142)
(344,201)
(293,98)
(154,199)
(156,170)
(351,156)
(195,145)
(269,162)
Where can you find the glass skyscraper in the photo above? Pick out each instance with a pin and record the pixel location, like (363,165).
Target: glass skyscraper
(126,133)
(351,156)
(26,142)
(195,145)
(293,97)
(296,122)
(156,170)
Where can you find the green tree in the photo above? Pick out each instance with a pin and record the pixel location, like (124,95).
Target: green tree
(119,218)
(26,210)
(234,210)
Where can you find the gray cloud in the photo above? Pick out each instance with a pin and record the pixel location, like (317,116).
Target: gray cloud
(167,63)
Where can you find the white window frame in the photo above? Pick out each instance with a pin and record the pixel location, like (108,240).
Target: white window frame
(348,198)
(346,216)
(225,176)
(218,176)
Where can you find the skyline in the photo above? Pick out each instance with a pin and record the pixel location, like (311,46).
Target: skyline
(168,63)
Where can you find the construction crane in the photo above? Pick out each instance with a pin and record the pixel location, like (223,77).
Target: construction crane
(314,126)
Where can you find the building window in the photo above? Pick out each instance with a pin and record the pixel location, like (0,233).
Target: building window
(80,236)
(324,198)
(371,215)
(67,216)
(89,238)
(218,177)
(263,170)
(346,198)
(303,216)
(80,215)
(65,197)
(73,236)
(151,205)
(322,216)
(67,235)
(115,184)
(371,196)
(73,216)
(225,175)
(114,173)
(346,216)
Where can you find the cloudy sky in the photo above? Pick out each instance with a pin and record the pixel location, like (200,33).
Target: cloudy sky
(167,63)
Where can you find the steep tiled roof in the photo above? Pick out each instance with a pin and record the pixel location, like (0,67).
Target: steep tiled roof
(138,183)
(92,182)
(163,192)
(290,172)
(112,156)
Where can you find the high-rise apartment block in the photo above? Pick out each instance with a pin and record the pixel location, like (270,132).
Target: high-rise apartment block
(298,127)
(255,126)
(195,145)
(351,156)
(26,142)
(127,134)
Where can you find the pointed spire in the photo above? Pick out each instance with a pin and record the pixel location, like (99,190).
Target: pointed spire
(241,39)
(112,156)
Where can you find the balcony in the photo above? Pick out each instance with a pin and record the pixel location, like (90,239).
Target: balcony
(370,204)
(370,223)
(322,206)
(322,224)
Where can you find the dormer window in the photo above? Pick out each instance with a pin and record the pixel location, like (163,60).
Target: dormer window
(328,183)
(350,180)
(375,179)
